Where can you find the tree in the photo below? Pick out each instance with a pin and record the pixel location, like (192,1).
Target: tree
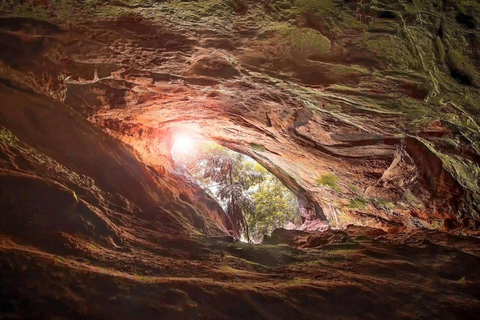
(274,206)
(255,200)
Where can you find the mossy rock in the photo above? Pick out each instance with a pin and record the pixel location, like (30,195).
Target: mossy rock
(294,44)
(329,180)
(359,203)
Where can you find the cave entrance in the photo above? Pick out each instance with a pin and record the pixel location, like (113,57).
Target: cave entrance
(255,200)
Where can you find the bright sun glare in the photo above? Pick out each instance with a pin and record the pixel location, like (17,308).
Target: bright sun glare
(183,145)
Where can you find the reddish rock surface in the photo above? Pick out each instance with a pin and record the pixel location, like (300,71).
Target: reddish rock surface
(367,110)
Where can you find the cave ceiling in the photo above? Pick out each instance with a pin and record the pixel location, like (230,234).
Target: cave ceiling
(366,109)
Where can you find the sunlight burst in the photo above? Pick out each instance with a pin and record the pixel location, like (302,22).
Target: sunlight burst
(183,145)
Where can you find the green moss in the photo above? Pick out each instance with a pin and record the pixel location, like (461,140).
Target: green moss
(359,203)
(394,51)
(7,137)
(291,43)
(437,224)
(439,49)
(466,172)
(384,203)
(467,6)
(348,21)
(410,12)
(25,10)
(461,62)
(200,10)
(329,180)
(354,189)
(317,7)
(309,41)
(258,147)
(412,200)
(111,11)
(348,70)
(291,9)
(343,218)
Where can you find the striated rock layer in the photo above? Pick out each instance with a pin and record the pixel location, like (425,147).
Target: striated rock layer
(379,97)
(367,110)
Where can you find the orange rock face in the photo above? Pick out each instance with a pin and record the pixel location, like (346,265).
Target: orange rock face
(368,111)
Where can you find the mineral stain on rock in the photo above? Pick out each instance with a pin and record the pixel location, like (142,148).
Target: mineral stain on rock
(366,110)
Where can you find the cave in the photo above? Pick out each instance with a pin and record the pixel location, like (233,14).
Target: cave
(366,111)
(254,200)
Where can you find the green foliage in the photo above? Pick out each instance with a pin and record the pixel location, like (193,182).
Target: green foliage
(274,206)
(329,180)
(384,203)
(7,137)
(359,203)
(255,200)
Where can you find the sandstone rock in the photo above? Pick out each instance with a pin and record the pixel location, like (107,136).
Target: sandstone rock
(366,110)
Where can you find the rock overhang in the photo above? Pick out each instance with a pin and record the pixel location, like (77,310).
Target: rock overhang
(366,136)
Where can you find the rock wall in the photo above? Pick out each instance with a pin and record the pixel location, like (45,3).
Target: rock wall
(366,109)
(60,175)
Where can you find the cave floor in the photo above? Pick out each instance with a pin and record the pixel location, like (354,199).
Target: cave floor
(359,273)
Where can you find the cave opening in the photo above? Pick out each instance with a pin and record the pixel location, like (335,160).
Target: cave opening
(255,200)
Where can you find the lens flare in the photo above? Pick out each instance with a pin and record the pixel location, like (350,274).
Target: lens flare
(183,145)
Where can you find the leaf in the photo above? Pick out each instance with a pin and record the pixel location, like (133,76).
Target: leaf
(255,200)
